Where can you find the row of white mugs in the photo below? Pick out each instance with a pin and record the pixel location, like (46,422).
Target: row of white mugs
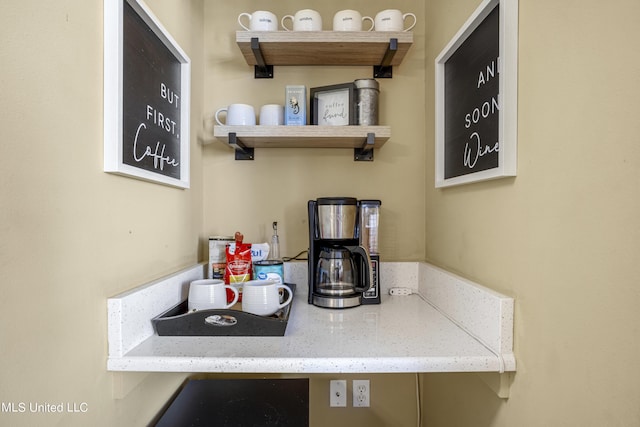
(261,297)
(344,20)
(245,115)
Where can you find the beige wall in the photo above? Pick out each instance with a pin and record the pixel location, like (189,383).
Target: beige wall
(249,196)
(562,237)
(70,234)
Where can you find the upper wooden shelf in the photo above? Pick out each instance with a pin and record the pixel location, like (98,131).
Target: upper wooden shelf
(324,47)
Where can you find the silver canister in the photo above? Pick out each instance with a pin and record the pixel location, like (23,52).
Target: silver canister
(366,94)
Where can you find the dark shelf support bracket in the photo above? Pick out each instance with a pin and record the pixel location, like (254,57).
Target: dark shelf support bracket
(365,153)
(262,70)
(385,69)
(242,152)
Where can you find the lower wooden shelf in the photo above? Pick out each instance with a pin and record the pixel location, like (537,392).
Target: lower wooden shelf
(361,138)
(304,136)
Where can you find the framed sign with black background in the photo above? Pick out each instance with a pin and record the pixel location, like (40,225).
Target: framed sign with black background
(147,81)
(476,97)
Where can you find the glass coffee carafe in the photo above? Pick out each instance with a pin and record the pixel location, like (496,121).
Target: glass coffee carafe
(336,272)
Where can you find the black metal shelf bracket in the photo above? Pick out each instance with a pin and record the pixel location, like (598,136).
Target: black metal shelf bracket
(242,151)
(262,70)
(365,153)
(385,69)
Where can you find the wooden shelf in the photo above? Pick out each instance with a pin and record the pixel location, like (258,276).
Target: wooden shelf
(360,138)
(264,49)
(324,47)
(303,136)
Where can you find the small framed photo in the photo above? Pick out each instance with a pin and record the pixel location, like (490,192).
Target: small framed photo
(333,105)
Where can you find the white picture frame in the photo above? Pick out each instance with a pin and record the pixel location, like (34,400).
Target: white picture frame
(507,65)
(163,118)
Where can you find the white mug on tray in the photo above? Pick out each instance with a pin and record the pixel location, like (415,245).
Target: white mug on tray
(206,294)
(262,297)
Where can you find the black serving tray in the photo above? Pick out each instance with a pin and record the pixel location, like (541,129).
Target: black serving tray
(178,321)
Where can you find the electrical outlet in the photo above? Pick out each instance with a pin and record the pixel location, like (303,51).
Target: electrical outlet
(361,394)
(400,291)
(338,393)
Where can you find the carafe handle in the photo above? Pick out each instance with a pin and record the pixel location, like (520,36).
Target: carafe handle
(368,271)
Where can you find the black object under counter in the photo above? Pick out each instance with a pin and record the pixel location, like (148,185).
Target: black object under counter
(240,403)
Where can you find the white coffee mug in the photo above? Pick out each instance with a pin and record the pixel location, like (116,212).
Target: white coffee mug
(393,20)
(272,115)
(260,20)
(237,115)
(206,294)
(262,297)
(304,20)
(350,20)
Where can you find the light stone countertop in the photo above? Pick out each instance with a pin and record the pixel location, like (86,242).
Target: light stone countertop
(415,333)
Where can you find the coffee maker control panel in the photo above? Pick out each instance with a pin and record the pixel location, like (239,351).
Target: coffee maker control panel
(369,223)
(372,296)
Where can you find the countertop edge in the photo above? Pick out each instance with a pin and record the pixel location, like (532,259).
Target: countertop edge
(306,365)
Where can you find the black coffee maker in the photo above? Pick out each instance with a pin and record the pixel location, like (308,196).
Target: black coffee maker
(342,273)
